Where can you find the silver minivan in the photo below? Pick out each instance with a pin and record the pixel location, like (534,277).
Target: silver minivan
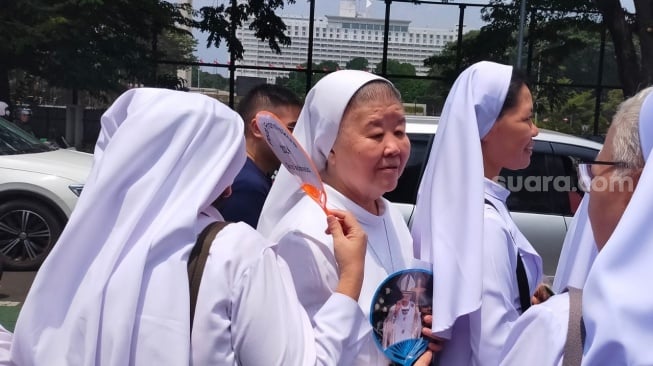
(544,196)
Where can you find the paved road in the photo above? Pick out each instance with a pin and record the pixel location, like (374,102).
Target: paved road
(13,289)
(14,285)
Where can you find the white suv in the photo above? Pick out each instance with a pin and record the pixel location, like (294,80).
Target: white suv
(39,186)
(544,196)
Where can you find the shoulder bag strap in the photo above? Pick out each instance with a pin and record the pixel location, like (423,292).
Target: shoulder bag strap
(522,278)
(197,261)
(573,352)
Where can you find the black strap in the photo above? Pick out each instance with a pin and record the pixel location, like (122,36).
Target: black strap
(197,261)
(573,351)
(522,278)
(522,284)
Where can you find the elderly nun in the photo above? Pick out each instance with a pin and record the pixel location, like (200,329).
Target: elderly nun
(353,128)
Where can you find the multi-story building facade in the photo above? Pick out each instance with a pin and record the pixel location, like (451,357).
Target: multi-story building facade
(342,38)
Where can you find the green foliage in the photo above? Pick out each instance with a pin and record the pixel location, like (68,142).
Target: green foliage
(89,45)
(412,90)
(576,114)
(358,63)
(296,80)
(208,80)
(104,46)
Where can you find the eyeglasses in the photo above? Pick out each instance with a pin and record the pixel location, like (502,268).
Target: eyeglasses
(585,174)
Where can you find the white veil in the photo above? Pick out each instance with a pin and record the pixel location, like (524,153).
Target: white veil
(116,282)
(448,221)
(578,251)
(316,131)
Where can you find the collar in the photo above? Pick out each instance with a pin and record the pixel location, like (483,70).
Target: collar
(337,200)
(496,190)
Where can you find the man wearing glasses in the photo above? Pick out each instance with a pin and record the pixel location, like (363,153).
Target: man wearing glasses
(616,327)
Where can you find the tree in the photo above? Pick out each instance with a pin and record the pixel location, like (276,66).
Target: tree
(296,80)
(177,46)
(221,22)
(208,80)
(412,90)
(102,45)
(93,45)
(635,68)
(358,63)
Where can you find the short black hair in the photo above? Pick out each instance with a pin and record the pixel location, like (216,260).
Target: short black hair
(266,96)
(517,80)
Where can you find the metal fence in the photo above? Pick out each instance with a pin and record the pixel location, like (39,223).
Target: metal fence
(593,90)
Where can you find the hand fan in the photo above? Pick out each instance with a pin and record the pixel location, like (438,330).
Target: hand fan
(293,156)
(398,306)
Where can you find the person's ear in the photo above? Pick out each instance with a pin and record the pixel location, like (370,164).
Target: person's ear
(253,127)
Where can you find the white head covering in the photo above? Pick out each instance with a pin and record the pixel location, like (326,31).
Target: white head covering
(617,300)
(578,251)
(316,131)
(448,225)
(116,282)
(3,109)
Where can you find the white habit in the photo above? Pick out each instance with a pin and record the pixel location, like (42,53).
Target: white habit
(538,337)
(473,247)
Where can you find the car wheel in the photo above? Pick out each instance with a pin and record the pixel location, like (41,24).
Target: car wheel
(28,231)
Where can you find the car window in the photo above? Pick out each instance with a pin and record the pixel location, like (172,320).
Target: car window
(549,185)
(13,140)
(540,188)
(406,191)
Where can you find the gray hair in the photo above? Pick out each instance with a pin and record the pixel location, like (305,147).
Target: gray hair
(374,90)
(626,143)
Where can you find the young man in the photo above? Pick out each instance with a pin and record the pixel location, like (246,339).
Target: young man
(253,183)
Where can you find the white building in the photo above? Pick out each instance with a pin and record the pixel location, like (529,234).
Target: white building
(342,38)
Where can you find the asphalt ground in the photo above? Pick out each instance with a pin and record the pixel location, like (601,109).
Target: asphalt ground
(13,290)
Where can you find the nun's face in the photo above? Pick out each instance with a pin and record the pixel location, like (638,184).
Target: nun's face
(370,152)
(509,144)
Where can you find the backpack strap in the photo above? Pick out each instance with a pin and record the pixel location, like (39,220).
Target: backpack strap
(522,278)
(197,261)
(573,351)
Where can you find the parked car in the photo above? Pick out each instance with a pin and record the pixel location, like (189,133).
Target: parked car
(39,186)
(544,196)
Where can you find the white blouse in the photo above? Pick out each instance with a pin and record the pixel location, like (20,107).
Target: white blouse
(538,337)
(247,310)
(478,338)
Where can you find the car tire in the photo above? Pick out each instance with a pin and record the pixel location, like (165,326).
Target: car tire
(28,231)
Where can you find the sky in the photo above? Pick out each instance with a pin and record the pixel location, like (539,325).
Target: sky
(423,15)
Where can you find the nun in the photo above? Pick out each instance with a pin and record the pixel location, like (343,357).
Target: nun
(484,269)
(616,313)
(353,127)
(115,289)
